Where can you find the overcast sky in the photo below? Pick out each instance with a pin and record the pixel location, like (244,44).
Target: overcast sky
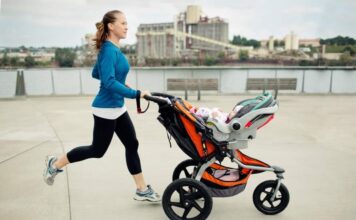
(65,22)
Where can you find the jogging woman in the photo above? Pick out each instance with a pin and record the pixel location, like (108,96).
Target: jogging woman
(109,111)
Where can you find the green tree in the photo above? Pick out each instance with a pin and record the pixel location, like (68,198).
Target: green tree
(243,55)
(278,43)
(65,57)
(14,61)
(236,40)
(350,50)
(23,49)
(305,63)
(163,62)
(195,62)
(209,61)
(88,61)
(133,49)
(346,59)
(242,41)
(255,43)
(221,55)
(339,40)
(30,62)
(175,62)
(5,60)
(124,50)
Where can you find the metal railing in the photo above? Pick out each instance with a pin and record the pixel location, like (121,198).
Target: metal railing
(231,80)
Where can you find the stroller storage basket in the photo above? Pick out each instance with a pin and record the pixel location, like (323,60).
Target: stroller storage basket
(223,182)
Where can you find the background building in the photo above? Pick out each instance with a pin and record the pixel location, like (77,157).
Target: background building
(192,22)
(291,42)
(190,35)
(155,41)
(310,42)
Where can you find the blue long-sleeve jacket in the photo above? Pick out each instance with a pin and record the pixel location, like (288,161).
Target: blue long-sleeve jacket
(111,69)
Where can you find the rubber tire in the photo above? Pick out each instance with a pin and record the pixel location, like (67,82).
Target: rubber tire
(267,210)
(171,188)
(181,166)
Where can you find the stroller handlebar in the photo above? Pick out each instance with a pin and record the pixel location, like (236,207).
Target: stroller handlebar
(156,99)
(164,95)
(159,98)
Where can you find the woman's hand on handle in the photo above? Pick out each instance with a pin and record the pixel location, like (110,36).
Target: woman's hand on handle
(144,93)
(140,95)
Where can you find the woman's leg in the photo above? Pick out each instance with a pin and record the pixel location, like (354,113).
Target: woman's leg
(102,135)
(139,181)
(126,132)
(61,162)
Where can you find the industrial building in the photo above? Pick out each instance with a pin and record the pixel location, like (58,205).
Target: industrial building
(191,35)
(291,41)
(155,41)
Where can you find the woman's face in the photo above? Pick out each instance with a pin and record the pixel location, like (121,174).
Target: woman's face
(119,27)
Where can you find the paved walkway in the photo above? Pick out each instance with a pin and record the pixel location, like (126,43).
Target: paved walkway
(312,137)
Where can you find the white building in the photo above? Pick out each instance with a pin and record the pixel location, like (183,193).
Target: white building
(271,43)
(291,42)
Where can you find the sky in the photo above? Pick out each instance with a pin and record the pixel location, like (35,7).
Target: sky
(64,23)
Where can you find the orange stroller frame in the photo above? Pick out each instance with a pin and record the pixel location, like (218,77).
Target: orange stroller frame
(195,182)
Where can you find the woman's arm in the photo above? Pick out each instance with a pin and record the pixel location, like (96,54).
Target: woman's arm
(107,75)
(95,72)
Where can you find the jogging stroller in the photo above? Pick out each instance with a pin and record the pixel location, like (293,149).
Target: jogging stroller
(197,180)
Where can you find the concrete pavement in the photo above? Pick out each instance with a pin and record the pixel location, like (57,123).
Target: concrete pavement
(312,137)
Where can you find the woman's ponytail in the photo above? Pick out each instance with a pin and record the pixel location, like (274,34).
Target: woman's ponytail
(100,35)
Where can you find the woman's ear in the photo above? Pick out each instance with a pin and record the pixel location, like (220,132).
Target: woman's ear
(110,26)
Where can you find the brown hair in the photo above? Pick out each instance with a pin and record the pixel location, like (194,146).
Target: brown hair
(103,29)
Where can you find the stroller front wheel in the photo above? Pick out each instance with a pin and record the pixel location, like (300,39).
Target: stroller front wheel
(263,194)
(187,199)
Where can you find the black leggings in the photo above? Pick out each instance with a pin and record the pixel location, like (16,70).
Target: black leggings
(102,135)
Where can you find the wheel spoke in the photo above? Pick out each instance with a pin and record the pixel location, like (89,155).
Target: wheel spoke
(264,199)
(177,204)
(181,192)
(186,172)
(271,203)
(197,206)
(277,199)
(186,212)
(196,195)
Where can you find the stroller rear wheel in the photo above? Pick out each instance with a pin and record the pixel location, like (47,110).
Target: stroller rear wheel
(187,199)
(263,194)
(185,169)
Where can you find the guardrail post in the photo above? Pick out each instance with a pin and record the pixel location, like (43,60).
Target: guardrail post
(186,89)
(53,86)
(331,81)
(20,83)
(80,82)
(199,85)
(265,85)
